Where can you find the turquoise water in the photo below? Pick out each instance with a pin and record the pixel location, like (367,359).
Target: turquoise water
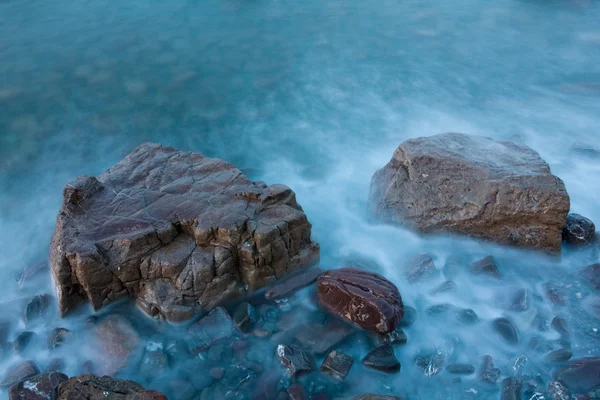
(316,95)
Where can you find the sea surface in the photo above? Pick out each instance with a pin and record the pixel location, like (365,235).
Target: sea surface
(315,94)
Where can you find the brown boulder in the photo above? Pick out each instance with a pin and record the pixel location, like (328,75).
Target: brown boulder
(363,298)
(475,186)
(180,232)
(40,387)
(117,342)
(90,387)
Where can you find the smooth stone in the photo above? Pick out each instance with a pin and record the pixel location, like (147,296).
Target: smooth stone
(506,330)
(444,287)
(245,316)
(438,309)
(295,360)
(467,316)
(40,387)
(19,372)
(409,317)
(217,372)
(22,341)
(363,298)
(460,369)
(591,275)
(291,285)
(420,268)
(216,326)
(578,230)
(117,343)
(489,373)
(57,337)
(511,389)
(560,355)
(337,364)
(486,266)
(297,392)
(320,338)
(55,365)
(560,325)
(580,375)
(382,359)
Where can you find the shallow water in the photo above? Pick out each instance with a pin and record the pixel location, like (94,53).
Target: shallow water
(316,95)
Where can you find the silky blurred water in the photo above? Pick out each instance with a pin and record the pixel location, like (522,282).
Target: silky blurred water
(315,95)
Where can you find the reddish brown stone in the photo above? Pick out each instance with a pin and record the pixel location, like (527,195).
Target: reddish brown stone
(363,298)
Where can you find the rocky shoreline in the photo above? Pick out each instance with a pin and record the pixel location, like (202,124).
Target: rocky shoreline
(183,235)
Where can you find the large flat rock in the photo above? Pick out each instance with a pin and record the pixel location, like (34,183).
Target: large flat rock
(178,231)
(472,185)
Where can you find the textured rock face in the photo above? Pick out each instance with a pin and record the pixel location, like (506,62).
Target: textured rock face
(475,186)
(178,231)
(90,387)
(363,298)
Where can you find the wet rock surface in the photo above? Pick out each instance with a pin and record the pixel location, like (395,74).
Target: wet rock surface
(512,389)
(180,232)
(217,325)
(116,343)
(486,267)
(40,387)
(320,338)
(581,375)
(337,364)
(421,268)
(506,330)
(18,372)
(91,387)
(382,358)
(578,230)
(291,285)
(472,185)
(295,360)
(489,373)
(591,275)
(364,298)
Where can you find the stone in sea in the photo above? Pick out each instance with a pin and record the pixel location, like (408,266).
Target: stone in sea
(382,358)
(40,387)
(578,230)
(560,355)
(117,342)
(291,285)
(216,326)
(472,185)
(37,308)
(580,375)
(180,232)
(337,364)
(591,275)
(489,373)
(507,330)
(319,338)
(18,372)
(460,369)
(295,360)
(486,266)
(245,316)
(96,387)
(364,298)
(23,341)
(297,392)
(511,389)
(430,362)
(57,337)
(421,267)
